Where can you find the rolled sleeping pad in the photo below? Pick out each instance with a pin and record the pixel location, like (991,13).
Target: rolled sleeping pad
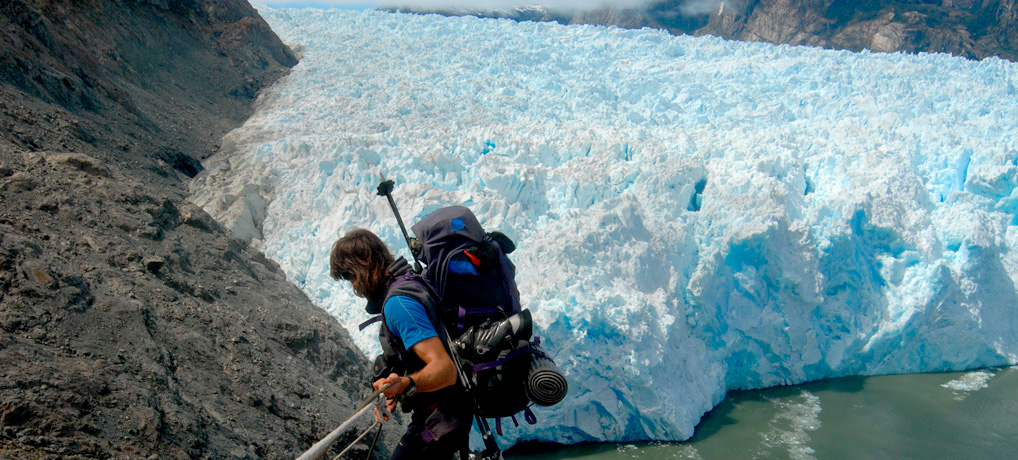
(546,385)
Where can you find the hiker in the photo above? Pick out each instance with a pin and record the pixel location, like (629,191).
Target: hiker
(442,414)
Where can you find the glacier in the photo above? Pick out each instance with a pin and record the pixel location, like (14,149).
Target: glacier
(693,215)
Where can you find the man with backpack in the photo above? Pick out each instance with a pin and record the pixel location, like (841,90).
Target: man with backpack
(422,374)
(457,347)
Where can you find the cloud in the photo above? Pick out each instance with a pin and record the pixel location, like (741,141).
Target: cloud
(472,4)
(698,7)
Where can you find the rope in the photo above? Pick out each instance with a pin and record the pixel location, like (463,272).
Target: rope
(317,450)
(378,434)
(355,441)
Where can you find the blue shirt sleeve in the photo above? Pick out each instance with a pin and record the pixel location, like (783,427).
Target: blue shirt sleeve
(407,318)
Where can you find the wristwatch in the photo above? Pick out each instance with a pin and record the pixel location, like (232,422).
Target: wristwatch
(411,388)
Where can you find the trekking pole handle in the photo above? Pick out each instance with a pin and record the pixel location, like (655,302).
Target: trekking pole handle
(385,189)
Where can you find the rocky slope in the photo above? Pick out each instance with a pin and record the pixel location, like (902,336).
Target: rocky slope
(971,28)
(131,324)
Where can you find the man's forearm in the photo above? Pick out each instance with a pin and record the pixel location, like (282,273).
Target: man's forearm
(438,371)
(433,377)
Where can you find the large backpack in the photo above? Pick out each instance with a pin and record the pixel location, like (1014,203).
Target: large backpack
(473,282)
(475,285)
(451,237)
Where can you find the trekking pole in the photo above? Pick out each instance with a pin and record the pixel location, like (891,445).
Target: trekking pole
(322,446)
(491,449)
(385,189)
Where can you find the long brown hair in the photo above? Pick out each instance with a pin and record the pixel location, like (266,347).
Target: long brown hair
(362,258)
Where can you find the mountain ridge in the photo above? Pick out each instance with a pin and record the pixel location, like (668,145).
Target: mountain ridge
(132,325)
(975,29)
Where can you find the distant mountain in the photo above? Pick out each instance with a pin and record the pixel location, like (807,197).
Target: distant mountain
(971,28)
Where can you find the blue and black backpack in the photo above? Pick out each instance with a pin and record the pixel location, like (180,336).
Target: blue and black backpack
(472,280)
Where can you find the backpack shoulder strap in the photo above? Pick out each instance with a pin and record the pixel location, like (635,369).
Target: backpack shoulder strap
(412,285)
(370,321)
(409,285)
(404,285)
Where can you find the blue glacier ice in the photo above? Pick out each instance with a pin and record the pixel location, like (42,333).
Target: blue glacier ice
(693,215)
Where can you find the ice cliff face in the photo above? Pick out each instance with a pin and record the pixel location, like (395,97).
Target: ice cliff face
(693,215)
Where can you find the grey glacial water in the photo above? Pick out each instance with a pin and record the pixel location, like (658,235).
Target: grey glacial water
(967,415)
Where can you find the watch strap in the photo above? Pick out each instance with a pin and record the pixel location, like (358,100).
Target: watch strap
(411,388)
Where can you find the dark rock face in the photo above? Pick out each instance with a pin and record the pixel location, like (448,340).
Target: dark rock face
(131,324)
(970,28)
(174,75)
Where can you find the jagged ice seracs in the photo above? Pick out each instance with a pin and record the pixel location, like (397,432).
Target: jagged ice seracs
(693,215)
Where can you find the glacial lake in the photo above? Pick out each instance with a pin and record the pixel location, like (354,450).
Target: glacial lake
(961,415)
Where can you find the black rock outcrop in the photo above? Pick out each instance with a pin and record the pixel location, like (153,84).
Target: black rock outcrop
(131,324)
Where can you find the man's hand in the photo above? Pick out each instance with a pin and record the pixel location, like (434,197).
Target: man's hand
(392,393)
(397,385)
(390,396)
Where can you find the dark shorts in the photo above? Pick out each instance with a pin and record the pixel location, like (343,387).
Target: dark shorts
(437,433)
